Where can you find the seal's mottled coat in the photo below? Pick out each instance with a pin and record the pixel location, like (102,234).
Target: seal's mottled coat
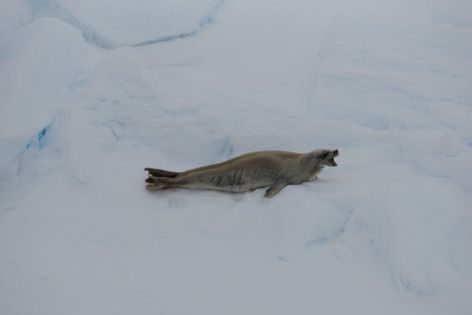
(273,169)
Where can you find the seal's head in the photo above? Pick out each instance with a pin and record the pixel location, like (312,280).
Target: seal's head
(326,157)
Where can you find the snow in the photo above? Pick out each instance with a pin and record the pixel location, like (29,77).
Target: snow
(92,92)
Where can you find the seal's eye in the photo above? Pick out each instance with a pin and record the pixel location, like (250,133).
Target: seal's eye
(323,156)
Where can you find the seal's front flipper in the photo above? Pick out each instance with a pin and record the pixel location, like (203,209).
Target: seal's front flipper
(275,189)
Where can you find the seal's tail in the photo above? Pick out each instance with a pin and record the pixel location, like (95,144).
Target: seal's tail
(161,173)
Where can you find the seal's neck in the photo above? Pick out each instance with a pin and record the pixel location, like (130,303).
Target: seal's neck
(316,168)
(311,163)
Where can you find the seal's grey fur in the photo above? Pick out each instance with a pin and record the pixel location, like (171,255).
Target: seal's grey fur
(273,169)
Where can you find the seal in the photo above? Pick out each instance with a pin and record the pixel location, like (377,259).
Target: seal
(247,172)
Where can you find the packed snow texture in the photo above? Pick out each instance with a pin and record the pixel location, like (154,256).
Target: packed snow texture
(91,92)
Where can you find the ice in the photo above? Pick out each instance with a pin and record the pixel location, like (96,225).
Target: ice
(92,92)
(111,24)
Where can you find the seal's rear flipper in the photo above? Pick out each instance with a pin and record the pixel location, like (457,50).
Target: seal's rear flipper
(157,186)
(160,183)
(161,173)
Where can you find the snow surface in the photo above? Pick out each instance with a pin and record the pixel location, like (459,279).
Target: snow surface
(91,92)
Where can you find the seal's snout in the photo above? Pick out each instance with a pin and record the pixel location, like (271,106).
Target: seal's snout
(332,162)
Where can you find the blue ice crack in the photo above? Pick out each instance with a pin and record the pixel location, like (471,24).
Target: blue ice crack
(334,235)
(204,22)
(52,9)
(39,141)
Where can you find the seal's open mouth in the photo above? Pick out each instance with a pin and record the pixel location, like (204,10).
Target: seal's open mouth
(331,161)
